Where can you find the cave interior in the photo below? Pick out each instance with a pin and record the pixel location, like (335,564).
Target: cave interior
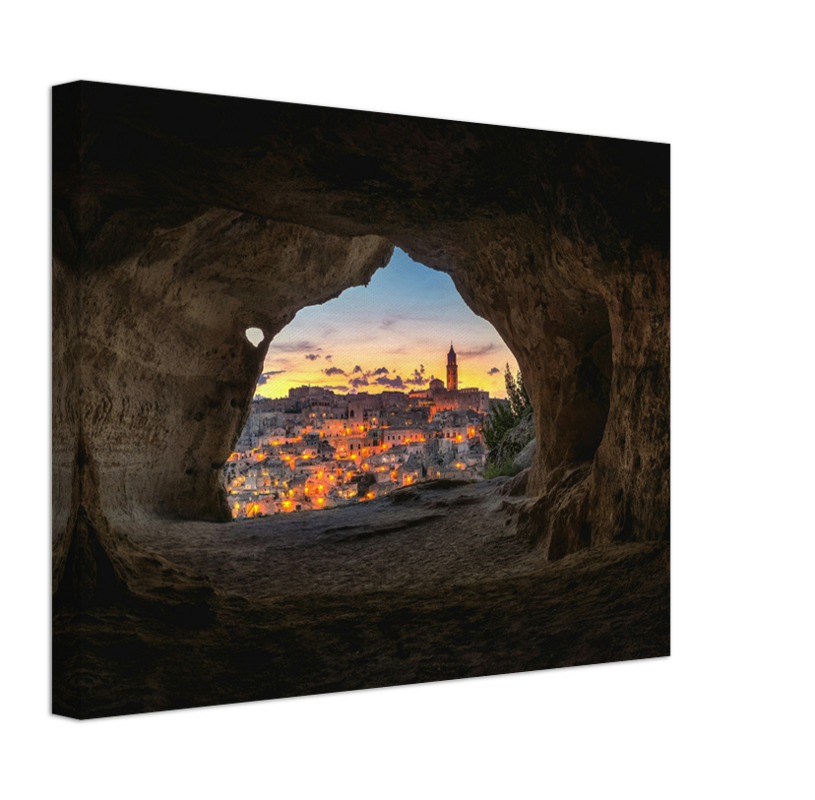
(181,220)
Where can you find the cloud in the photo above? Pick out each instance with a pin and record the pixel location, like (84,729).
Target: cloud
(334,371)
(341,388)
(266,375)
(481,351)
(380,371)
(294,347)
(394,383)
(328,358)
(417,379)
(494,371)
(357,382)
(312,357)
(357,368)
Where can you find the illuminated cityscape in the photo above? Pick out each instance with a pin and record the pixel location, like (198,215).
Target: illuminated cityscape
(316,449)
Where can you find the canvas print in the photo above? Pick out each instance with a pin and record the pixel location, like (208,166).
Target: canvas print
(346,400)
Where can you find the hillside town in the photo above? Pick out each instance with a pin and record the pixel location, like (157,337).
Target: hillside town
(317,450)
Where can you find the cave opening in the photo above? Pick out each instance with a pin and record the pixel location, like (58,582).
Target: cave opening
(384,386)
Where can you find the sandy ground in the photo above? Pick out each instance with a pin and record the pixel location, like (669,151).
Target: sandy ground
(426,584)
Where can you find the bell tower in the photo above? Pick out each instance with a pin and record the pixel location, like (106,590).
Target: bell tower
(452,370)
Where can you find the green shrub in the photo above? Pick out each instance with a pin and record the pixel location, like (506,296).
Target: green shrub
(505,468)
(500,422)
(505,416)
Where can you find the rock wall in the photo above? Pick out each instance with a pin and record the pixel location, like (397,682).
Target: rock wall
(65,409)
(168,374)
(183,219)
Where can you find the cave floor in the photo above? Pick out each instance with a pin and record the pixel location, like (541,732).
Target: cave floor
(426,584)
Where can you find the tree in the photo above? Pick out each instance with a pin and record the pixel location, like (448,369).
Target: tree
(367,480)
(516,394)
(506,415)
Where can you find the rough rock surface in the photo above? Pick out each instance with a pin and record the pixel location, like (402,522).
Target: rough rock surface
(179,220)
(396,591)
(526,457)
(514,441)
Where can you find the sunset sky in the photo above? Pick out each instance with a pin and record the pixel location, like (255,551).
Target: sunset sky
(392,334)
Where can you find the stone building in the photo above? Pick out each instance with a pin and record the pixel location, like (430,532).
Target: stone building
(364,409)
(446,398)
(452,370)
(394,400)
(394,436)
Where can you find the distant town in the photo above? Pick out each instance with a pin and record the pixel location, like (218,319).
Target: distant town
(317,450)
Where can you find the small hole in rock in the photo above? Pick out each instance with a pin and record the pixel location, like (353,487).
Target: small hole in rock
(255,336)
